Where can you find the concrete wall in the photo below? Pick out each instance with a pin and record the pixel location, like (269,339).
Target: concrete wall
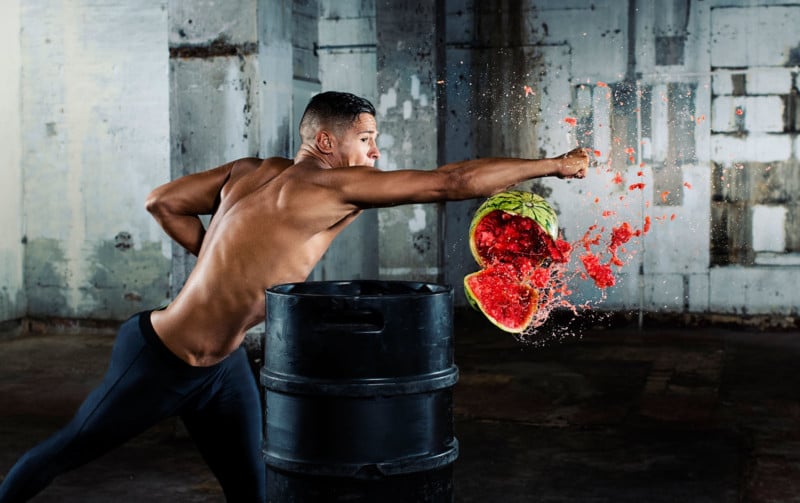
(735,156)
(12,292)
(410,236)
(107,99)
(705,96)
(95,138)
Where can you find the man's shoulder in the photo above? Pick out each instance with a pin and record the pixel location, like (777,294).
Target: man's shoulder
(248,165)
(274,161)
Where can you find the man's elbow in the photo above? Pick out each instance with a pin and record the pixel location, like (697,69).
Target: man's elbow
(155,203)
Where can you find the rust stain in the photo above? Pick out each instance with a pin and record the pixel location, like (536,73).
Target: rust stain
(219,47)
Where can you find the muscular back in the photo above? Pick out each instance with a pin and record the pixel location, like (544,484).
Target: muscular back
(272,225)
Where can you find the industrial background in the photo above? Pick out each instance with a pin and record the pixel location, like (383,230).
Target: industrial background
(102,101)
(691,106)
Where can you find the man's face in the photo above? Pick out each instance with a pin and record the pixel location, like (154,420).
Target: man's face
(356,146)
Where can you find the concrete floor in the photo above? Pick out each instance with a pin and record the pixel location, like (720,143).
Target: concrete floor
(663,415)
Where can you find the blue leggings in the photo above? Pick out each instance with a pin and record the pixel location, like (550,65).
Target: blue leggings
(144,384)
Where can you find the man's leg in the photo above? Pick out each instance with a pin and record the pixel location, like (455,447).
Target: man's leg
(129,400)
(227,428)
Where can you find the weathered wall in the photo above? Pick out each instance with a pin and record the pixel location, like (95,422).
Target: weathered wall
(115,98)
(12,293)
(410,239)
(704,94)
(95,132)
(694,140)
(755,180)
(492,53)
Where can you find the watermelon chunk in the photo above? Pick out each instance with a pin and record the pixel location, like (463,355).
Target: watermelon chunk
(498,292)
(513,237)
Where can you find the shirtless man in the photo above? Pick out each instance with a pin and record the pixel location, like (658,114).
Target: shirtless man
(273,220)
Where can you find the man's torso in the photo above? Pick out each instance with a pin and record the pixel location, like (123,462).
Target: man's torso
(272,226)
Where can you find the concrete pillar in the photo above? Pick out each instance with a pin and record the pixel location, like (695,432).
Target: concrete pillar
(216,92)
(490,59)
(275,67)
(306,63)
(460,141)
(410,237)
(347,62)
(95,138)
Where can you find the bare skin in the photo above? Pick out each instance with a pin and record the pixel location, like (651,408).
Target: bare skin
(274,218)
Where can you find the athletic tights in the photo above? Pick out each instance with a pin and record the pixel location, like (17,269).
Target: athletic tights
(144,384)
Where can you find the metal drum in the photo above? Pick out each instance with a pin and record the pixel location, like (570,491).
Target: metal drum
(358,379)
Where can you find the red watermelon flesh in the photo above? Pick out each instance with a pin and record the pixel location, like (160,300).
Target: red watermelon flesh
(515,250)
(509,238)
(505,237)
(500,293)
(513,238)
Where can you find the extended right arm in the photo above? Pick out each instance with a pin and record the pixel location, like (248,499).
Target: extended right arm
(484,177)
(454,181)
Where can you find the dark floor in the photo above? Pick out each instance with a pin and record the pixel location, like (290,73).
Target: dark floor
(661,415)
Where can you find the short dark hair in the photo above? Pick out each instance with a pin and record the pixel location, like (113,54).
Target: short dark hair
(333,109)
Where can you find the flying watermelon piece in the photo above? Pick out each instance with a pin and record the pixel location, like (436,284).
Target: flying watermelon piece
(502,297)
(513,234)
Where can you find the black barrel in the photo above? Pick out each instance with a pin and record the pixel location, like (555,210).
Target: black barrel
(358,379)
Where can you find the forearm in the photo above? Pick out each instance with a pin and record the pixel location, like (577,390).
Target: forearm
(186,230)
(176,205)
(484,177)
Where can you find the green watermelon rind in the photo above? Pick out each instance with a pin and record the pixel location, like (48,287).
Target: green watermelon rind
(515,202)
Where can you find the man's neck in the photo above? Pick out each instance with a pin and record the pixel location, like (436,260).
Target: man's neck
(308,153)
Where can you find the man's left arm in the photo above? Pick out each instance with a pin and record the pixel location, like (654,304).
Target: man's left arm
(177,205)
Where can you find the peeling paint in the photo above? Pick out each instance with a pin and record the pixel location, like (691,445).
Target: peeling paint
(91,254)
(417,222)
(127,280)
(46,280)
(409,236)
(415,87)
(407,108)
(387,101)
(12,293)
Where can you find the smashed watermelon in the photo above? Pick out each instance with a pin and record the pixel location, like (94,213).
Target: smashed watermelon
(513,236)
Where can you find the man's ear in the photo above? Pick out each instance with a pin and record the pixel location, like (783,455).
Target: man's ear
(325,142)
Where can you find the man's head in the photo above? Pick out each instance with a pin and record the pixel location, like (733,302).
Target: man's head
(332,110)
(341,125)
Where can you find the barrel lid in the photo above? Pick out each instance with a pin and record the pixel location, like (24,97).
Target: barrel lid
(359,288)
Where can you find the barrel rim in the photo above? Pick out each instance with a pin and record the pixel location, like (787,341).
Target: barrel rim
(359,387)
(415,288)
(411,464)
